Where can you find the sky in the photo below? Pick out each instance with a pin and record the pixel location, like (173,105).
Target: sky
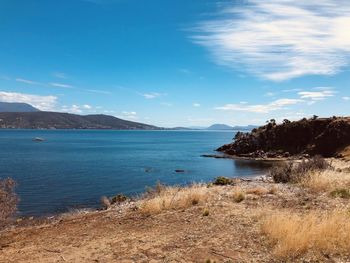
(178,63)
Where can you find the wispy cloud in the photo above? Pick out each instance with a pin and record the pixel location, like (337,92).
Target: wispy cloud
(45,103)
(346,98)
(30,82)
(280,40)
(61,85)
(151,95)
(60,75)
(99,91)
(196,104)
(316,95)
(260,108)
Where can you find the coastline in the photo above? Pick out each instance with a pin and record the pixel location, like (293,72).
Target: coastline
(128,232)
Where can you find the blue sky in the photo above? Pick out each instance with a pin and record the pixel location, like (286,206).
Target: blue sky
(178,63)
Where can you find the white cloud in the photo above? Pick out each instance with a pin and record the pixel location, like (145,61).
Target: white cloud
(151,95)
(128,115)
(196,104)
(346,98)
(45,103)
(279,40)
(76,109)
(316,95)
(60,85)
(260,108)
(86,106)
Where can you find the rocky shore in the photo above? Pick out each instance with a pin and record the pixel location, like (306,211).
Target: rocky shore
(328,137)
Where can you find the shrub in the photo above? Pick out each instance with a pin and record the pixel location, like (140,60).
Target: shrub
(316,163)
(238,195)
(294,235)
(118,199)
(221,180)
(8,199)
(282,173)
(289,173)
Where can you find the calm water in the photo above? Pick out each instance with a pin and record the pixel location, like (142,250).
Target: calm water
(75,168)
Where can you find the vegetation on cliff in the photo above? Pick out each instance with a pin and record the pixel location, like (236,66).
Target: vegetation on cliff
(316,136)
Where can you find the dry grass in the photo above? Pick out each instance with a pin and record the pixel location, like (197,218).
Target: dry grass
(326,181)
(8,199)
(257,191)
(238,195)
(174,198)
(294,235)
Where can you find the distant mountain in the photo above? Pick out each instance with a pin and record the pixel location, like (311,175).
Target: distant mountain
(16,107)
(244,128)
(57,120)
(219,127)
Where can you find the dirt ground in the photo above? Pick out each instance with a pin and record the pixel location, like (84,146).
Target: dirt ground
(230,233)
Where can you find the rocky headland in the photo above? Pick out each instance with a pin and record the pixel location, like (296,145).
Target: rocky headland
(328,137)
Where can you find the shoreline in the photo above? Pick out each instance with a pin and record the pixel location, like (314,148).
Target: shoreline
(236,157)
(217,224)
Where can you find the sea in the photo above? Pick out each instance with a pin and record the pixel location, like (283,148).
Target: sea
(73,169)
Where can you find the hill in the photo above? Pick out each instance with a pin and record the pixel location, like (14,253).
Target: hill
(326,136)
(16,107)
(57,120)
(219,127)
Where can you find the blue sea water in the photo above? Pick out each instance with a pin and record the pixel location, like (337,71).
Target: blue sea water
(74,168)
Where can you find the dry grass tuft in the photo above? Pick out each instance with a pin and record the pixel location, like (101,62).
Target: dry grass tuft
(326,181)
(238,195)
(294,235)
(174,198)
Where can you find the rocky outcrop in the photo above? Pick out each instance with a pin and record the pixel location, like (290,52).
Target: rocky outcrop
(317,136)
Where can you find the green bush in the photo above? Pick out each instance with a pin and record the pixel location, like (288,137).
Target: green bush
(221,180)
(120,198)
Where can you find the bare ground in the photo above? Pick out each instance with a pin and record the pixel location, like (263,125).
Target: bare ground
(230,233)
